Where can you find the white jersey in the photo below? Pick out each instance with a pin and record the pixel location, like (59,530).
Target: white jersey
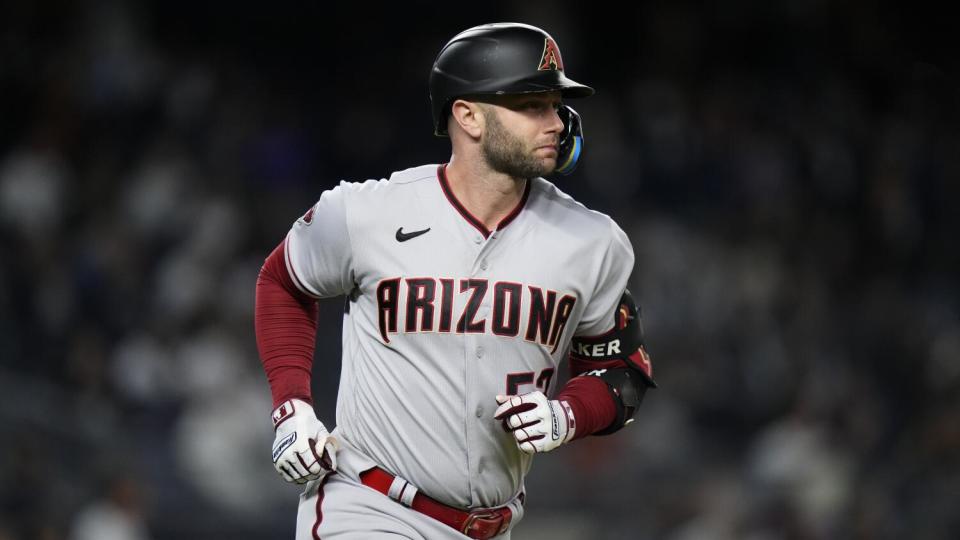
(443,315)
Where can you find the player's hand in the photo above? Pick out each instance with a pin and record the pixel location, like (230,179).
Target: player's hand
(537,423)
(303,449)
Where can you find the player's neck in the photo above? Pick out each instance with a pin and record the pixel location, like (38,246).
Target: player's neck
(488,195)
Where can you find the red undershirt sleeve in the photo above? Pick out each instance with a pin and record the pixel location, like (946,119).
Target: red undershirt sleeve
(285,321)
(592,402)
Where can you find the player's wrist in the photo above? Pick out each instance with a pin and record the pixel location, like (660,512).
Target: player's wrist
(290,383)
(591,404)
(567,414)
(290,408)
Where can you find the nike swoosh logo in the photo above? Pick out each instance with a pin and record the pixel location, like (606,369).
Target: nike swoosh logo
(403,237)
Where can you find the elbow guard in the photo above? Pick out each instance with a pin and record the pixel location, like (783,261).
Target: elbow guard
(620,360)
(627,389)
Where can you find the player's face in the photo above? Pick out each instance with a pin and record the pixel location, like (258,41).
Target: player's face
(522,134)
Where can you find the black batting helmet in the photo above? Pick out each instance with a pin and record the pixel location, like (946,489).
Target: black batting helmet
(501,58)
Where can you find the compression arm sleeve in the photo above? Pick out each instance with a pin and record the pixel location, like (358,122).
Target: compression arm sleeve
(285,321)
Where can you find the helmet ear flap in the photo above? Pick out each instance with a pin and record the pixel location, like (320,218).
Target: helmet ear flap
(571,140)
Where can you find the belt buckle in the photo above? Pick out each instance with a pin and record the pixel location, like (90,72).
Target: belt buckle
(484,524)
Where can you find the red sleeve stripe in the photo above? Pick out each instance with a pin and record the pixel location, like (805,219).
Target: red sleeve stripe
(318,510)
(293,273)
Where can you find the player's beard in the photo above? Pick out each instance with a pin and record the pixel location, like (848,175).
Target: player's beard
(506,153)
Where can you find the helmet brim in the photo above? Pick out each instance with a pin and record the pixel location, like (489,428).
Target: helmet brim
(550,81)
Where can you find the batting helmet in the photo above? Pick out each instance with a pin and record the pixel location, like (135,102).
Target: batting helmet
(502,58)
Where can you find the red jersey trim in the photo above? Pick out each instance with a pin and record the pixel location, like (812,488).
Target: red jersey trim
(445,185)
(293,273)
(516,210)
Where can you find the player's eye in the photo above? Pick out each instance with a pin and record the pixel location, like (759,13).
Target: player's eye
(540,106)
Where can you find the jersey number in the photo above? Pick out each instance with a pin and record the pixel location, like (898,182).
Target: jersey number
(515,380)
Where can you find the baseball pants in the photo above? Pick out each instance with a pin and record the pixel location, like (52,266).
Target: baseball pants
(339,507)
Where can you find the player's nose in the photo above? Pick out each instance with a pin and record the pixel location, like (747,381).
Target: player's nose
(555,123)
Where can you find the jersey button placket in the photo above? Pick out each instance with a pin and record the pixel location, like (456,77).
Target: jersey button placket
(481,259)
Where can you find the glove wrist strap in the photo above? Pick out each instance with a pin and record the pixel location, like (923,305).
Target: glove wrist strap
(284,412)
(571,420)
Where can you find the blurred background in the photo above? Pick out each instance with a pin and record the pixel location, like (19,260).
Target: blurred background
(788,172)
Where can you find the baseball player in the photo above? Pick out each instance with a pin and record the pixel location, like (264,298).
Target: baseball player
(467,284)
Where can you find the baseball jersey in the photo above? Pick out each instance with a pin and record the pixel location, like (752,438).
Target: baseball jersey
(443,315)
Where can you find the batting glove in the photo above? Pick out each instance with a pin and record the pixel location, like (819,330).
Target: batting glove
(303,449)
(537,423)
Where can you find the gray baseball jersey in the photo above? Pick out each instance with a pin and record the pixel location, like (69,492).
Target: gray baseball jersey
(443,315)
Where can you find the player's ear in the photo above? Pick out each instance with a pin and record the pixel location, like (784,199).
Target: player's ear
(468,115)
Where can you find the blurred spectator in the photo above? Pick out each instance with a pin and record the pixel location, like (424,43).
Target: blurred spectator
(118,515)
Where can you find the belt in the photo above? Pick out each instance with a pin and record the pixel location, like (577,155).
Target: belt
(480,524)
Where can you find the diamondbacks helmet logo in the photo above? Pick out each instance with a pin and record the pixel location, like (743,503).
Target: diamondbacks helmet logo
(550,59)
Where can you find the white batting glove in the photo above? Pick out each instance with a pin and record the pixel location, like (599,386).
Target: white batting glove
(303,449)
(537,423)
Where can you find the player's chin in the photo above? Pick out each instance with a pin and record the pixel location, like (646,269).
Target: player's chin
(549,167)
(546,159)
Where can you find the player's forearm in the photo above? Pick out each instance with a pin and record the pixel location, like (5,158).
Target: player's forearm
(593,406)
(285,321)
